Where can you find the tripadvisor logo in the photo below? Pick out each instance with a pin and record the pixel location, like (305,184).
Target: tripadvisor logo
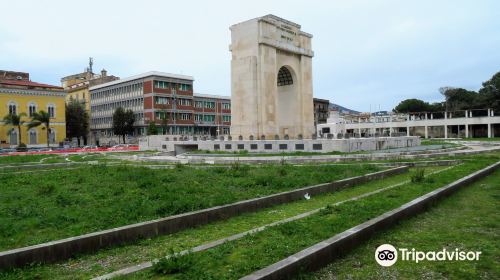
(387,255)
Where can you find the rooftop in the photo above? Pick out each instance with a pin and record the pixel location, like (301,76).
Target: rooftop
(144,75)
(211,96)
(29,84)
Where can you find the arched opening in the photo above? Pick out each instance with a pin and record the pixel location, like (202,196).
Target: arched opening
(284,77)
(13,137)
(32,137)
(287,101)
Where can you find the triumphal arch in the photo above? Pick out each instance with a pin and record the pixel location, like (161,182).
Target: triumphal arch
(271,80)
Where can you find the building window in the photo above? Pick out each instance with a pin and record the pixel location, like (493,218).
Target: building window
(209,118)
(184,87)
(299,146)
(160,115)
(284,77)
(283,146)
(161,84)
(216,146)
(198,118)
(51,110)
(226,118)
(32,135)
(317,147)
(209,104)
(268,146)
(198,104)
(241,146)
(228,146)
(226,106)
(184,116)
(184,102)
(253,146)
(12,108)
(52,136)
(225,130)
(31,109)
(161,100)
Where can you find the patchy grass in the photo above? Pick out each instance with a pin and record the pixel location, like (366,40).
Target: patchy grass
(238,258)
(497,139)
(111,259)
(468,220)
(39,207)
(23,159)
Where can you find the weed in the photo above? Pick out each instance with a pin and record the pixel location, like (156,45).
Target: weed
(418,176)
(46,189)
(175,263)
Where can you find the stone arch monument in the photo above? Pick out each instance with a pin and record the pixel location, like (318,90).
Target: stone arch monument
(271,79)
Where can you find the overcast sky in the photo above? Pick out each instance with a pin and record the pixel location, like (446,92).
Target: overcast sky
(368,54)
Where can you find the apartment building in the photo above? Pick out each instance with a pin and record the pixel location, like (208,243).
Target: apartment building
(162,98)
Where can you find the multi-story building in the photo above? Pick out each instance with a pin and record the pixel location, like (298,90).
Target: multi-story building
(321,109)
(163,98)
(456,124)
(18,94)
(77,85)
(212,114)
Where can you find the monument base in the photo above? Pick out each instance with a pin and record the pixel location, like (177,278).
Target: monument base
(285,146)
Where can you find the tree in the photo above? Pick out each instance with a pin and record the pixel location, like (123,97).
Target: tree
(412,105)
(164,122)
(123,122)
(152,129)
(461,99)
(490,92)
(77,121)
(15,120)
(41,118)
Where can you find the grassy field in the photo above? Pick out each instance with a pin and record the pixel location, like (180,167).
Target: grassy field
(39,207)
(468,220)
(111,259)
(235,259)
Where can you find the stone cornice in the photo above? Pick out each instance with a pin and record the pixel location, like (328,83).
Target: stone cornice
(285,47)
(32,92)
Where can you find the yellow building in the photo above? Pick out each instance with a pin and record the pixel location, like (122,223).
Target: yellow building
(77,85)
(20,95)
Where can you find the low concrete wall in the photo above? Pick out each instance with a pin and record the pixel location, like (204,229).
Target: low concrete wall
(279,146)
(328,250)
(67,248)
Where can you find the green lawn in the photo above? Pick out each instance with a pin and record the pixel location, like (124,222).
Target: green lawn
(235,259)
(467,220)
(39,207)
(23,159)
(112,259)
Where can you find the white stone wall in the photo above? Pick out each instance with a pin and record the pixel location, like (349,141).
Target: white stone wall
(327,145)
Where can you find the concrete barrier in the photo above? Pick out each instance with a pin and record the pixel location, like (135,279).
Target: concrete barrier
(328,250)
(69,247)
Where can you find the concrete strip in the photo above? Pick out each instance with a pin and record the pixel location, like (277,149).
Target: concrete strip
(328,250)
(69,247)
(145,265)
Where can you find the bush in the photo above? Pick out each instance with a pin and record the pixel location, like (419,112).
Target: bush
(418,176)
(22,147)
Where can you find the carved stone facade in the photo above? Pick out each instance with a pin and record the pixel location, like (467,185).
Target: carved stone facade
(271,80)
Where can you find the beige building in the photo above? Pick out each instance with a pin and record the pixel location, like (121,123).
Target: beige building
(77,85)
(271,80)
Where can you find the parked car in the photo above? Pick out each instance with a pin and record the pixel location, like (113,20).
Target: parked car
(7,150)
(119,147)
